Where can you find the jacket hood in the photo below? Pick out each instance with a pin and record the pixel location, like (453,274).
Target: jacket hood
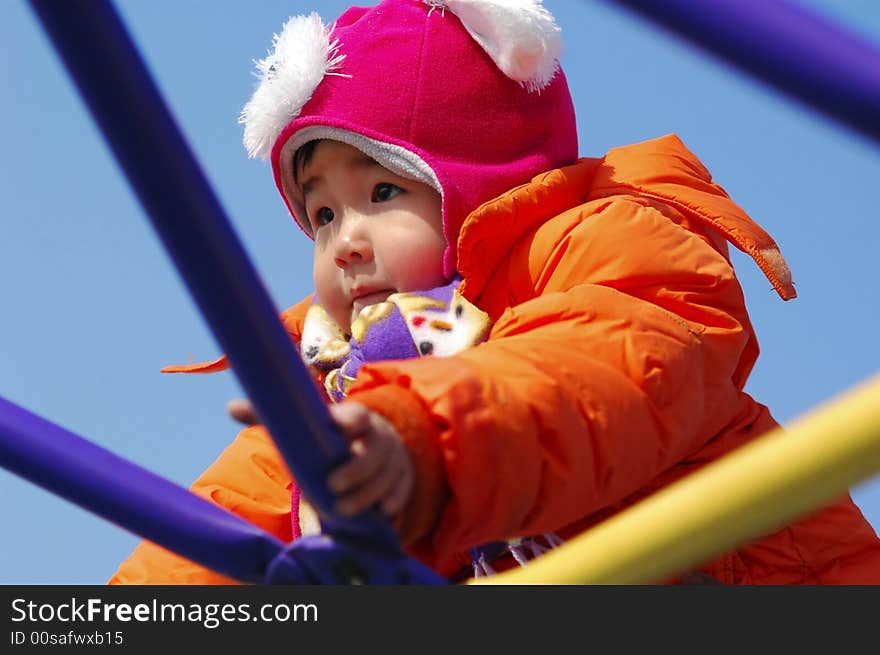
(661,169)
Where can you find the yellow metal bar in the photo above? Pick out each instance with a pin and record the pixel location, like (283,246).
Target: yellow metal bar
(756,489)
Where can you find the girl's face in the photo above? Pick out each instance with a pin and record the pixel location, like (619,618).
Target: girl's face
(376,233)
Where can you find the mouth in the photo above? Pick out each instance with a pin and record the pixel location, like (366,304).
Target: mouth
(361,299)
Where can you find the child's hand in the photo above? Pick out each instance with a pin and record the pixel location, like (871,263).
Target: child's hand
(243,411)
(380,469)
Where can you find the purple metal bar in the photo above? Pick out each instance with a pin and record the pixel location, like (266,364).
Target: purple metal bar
(134,498)
(112,78)
(786,45)
(169,515)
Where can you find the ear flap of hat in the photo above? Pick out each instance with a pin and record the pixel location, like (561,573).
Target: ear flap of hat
(520,36)
(289,75)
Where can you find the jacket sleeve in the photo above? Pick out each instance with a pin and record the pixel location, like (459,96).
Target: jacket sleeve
(621,358)
(249,479)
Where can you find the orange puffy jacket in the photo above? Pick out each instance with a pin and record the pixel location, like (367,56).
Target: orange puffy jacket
(616,365)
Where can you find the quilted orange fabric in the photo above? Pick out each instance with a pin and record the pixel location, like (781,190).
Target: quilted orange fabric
(616,365)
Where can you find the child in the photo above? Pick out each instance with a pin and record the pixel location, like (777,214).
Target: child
(536,341)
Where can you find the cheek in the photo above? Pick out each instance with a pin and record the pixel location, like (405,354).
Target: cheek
(422,265)
(429,265)
(325,275)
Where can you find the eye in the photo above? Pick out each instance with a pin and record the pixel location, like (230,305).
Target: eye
(385,191)
(323,216)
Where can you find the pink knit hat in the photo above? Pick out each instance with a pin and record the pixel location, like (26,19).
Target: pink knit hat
(463,95)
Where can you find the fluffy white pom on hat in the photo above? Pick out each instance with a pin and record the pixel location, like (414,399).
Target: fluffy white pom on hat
(520,36)
(289,75)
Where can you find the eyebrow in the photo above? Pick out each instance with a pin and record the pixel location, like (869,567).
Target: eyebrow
(360,161)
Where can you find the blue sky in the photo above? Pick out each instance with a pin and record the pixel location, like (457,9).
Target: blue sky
(92,307)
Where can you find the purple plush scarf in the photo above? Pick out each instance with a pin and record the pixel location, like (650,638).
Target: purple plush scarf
(437,322)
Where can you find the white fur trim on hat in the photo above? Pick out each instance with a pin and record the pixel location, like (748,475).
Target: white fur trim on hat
(520,36)
(396,159)
(289,75)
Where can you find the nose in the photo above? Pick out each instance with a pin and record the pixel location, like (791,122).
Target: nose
(352,242)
